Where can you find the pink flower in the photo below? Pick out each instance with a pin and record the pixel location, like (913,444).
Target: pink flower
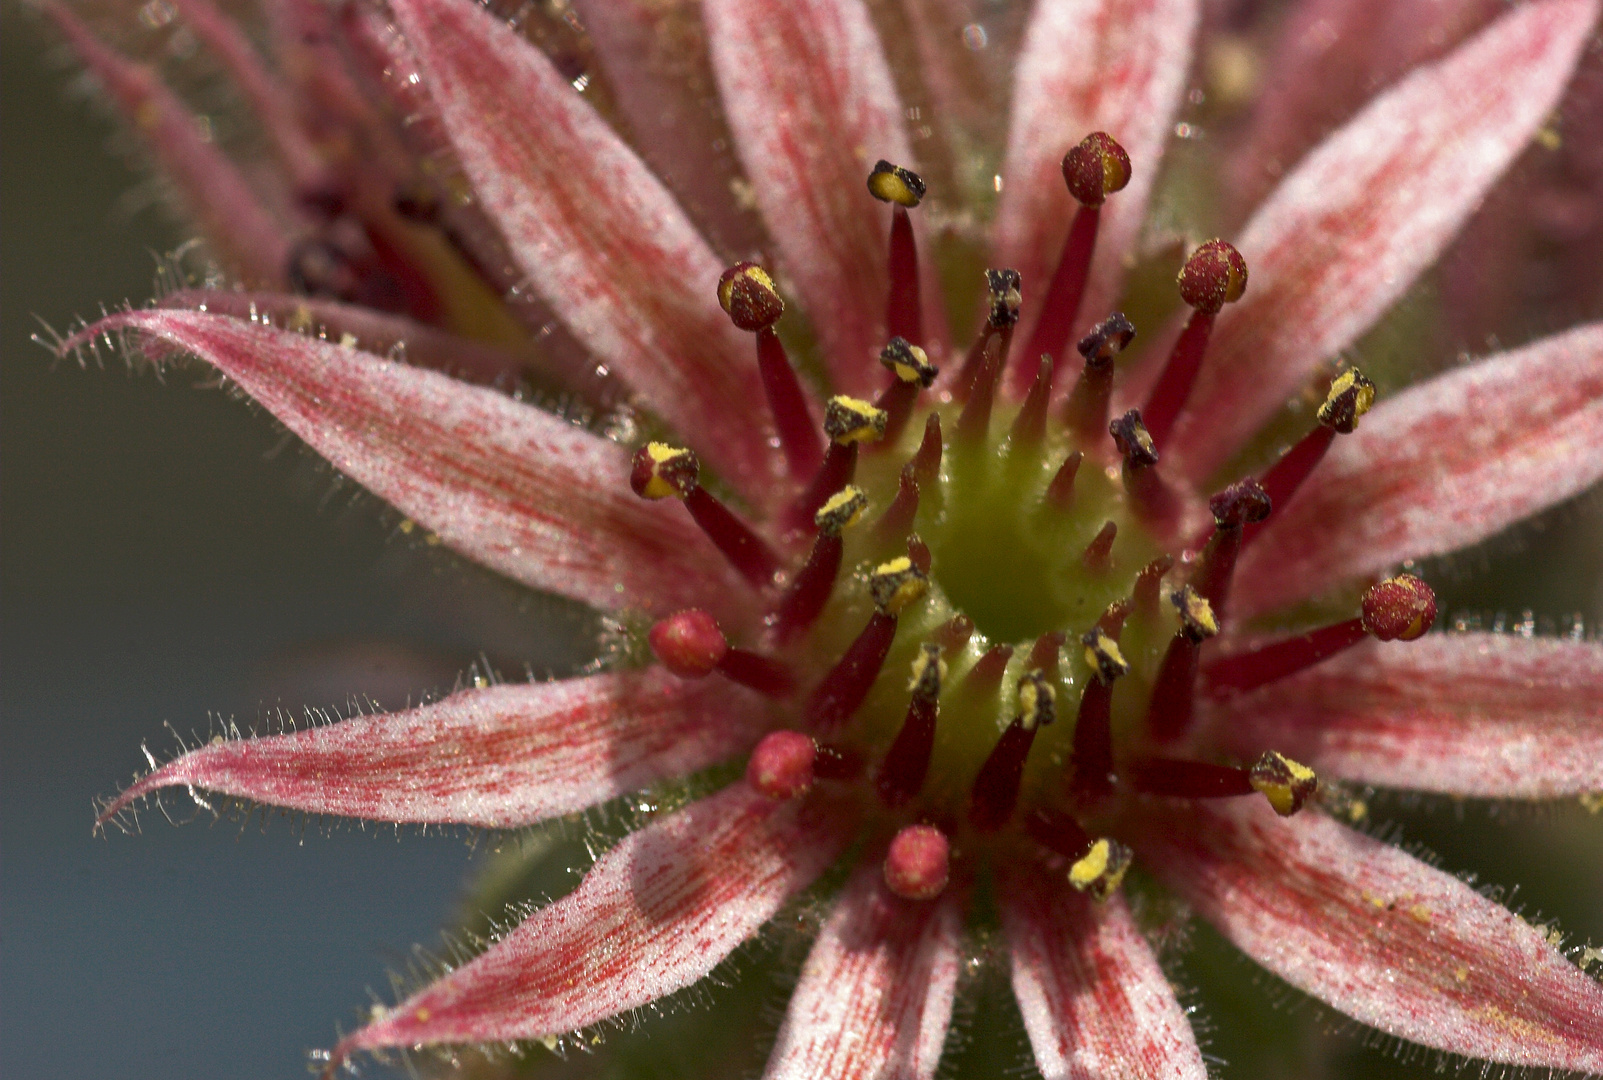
(964,639)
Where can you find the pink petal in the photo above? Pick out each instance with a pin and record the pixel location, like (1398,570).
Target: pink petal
(243,233)
(1095,1002)
(654,57)
(811,102)
(597,234)
(1491,716)
(1367,211)
(1382,937)
(1439,466)
(875,997)
(522,492)
(1088,65)
(499,757)
(655,914)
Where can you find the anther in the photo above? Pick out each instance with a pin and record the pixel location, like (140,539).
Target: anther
(1150,496)
(1087,410)
(690,644)
(782,765)
(996,336)
(1094,169)
(1098,556)
(660,471)
(892,586)
(918,863)
(902,773)
(1029,426)
(996,788)
(1214,275)
(1060,492)
(904,190)
(847,421)
(914,372)
(1237,506)
(809,592)
(1099,872)
(1397,609)
(1286,784)
(1350,397)
(927,459)
(897,520)
(1170,706)
(749,296)
(1093,734)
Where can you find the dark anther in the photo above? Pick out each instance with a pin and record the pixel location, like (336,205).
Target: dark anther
(1130,436)
(1005,297)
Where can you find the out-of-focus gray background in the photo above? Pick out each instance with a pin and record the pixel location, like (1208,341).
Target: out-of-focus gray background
(167,557)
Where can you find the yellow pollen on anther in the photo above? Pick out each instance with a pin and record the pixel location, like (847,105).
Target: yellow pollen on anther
(1103,655)
(893,184)
(1351,395)
(929,671)
(908,362)
(664,458)
(726,289)
(849,420)
(842,510)
(1100,870)
(895,584)
(1037,701)
(1196,614)
(1287,784)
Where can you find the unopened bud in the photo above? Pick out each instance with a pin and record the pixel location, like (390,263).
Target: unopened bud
(1399,609)
(1096,168)
(1214,275)
(781,766)
(688,643)
(749,296)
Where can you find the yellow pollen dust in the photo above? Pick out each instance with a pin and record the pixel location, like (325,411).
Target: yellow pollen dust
(849,420)
(929,670)
(891,184)
(1287,784)
(1037,701)
(842,510)
(661,454)
(895,584)
(726,289)
(1100,870)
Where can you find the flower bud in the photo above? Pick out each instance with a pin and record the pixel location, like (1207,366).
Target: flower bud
(688,643)
(1214,275)
(1096,168)
(749,296)
(1399,609)
(781,766)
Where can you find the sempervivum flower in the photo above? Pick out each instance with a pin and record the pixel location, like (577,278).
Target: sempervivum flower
(987,627)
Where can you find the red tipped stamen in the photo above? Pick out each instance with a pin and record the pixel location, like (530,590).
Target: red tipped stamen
(847,421)
(1237,506)
(1150,496)
(1029,426)
(996,788)
(903,189)
(897,520)
(918,863)
(781,766)
(986,674)
(1170,707)
(996,336)
(1093,170)
(691,645)
(902,773)
(660,471)
(1287,784)
(1098,557)
(913,372)
(1087,410)
(1397,609)
(1060,492)
(804,601)
(927,460)
(892,585)
(749,296)
(954,633)
(1350,397)
(1093,728)
(1214,275)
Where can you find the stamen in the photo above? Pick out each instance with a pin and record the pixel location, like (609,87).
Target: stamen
(1169,709)
(1099,872)
(1214,275)
(660,470)
(903,189)
(996,789)
(902,773)
(955,632)
(927,460)
(996,336)
(1093,732)
(847,421)
(1060,492)
(897,520)
(1235,507)
(1286,784)
(1029,426)
(913,372)
(1093,170)
(1098,557)
(892,585)
(1087,411)
(749,296)
(809,592)
(919,863)
(1397,609)
(690,644)
(1149,494)
(782,765)
(1350,397)
(986,674)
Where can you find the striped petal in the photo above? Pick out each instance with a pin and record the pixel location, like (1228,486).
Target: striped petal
(1492,716)
(655,914)
(811,102)
(1096,1004)
(875,997)
(1087,65)
(1382,937)
(531,496)
(500,756)
(1439,466)
(598,236)
(1367,211)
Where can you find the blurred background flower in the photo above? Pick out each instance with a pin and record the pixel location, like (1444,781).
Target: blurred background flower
(158,568)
